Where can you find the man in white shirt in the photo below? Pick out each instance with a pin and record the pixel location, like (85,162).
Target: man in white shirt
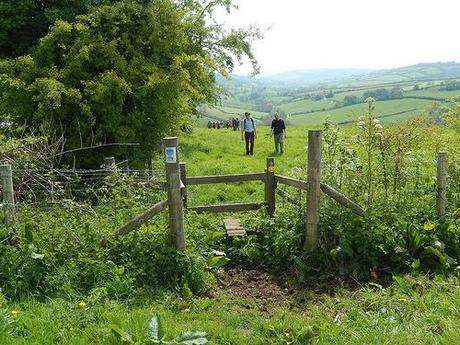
(249,129)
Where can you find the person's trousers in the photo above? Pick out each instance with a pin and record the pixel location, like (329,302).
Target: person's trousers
(249,137)
(279,143)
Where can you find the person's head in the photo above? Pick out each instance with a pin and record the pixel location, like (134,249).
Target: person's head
(246,114)
(277,116)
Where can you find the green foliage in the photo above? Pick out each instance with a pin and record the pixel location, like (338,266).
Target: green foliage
(157,335)
(24,22)
(126,72)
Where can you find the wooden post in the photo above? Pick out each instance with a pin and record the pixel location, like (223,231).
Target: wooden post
(314,190)
(6,176)
(270,186)
(183,177)
(109,163)
(441,198)
(173,185)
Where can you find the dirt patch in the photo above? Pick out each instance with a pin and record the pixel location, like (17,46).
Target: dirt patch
(269,290)
(254,284)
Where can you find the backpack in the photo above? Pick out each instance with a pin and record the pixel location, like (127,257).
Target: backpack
(252,120)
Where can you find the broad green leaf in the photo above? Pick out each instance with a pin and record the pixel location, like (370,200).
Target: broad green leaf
(214,236)
(429,226)
(155,328)
(120,334)
(37,256)
(438,255)
(218,261)
(193,338)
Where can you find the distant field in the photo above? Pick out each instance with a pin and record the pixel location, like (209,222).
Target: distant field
(434,93)
(409,106)
(306,105)
(224,113)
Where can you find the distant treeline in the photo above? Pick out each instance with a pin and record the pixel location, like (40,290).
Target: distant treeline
(450,85)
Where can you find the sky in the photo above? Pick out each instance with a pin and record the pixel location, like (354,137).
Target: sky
(376,34)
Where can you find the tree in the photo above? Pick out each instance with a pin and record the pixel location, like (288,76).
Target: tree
(351,99)
(126,72)
(24,22)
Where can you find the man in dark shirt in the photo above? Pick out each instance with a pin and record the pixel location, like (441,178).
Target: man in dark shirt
(279,132)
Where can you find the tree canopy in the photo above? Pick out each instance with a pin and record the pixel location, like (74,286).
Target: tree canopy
(131,71)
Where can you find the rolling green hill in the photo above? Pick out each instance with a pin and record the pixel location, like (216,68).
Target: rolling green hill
(307,97)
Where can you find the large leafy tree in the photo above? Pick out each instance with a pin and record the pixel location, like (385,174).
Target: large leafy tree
(23,22)
(131,71)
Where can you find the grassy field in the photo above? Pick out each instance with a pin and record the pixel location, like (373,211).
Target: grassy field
(225,149)
(410,107)
(253,308)
(428,314)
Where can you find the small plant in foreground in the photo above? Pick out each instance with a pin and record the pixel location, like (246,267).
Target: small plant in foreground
(157,335)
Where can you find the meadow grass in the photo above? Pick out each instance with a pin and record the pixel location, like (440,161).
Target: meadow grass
(420,311)
(426,314)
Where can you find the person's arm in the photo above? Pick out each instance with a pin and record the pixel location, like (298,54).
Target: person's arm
(255,129)
(271,130)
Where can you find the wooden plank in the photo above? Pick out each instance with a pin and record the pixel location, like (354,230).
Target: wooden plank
(241,207)
(441,184)
(342,199)
(236,233)
(141,219)
(233,228)
(313,190)
(292,182)
(198,180)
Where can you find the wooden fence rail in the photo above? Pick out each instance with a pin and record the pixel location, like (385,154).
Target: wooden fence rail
(200,180)
(292,182)
(342,199)
(239,207)
(136,222)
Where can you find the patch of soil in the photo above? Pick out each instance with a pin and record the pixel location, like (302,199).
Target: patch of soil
(254,284)
(268,290)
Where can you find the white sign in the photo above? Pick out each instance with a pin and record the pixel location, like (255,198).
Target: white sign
(171,155)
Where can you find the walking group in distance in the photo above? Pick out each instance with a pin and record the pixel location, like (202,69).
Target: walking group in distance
(248,129)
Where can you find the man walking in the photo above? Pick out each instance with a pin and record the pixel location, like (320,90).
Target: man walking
(249,129)
(278,130)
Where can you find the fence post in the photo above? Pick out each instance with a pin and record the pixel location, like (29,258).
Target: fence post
(441,198)
(183,177)
(270,186)
(6,176)
(173,184)
(109,163)
(314,190)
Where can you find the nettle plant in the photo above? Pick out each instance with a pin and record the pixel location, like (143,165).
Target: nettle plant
(369,137)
